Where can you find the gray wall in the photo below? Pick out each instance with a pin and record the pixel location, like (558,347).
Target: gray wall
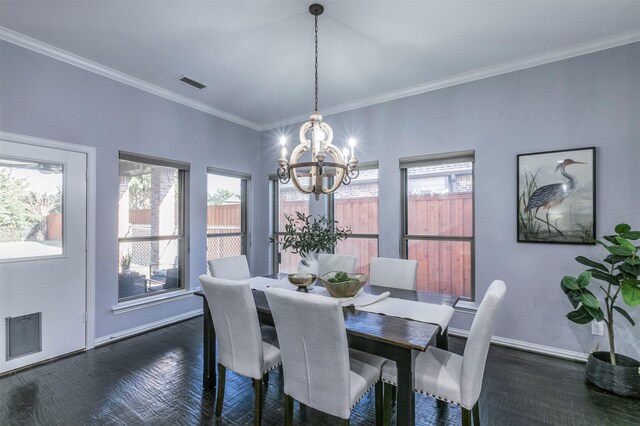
(47,98)
(591,100)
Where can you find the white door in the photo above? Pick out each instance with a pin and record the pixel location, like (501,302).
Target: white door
(43,211)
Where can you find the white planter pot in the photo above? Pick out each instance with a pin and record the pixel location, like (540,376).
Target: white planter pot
(309,264)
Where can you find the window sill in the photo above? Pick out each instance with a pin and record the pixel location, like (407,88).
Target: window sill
(133,305)
(466,307)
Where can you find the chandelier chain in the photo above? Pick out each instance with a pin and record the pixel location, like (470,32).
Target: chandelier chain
(316,41)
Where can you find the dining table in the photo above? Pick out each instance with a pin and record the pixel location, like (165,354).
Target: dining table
(391,337)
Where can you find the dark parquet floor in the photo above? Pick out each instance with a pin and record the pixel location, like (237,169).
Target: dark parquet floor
(156,378)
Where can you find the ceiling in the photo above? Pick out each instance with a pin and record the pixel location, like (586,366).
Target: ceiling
(256,57)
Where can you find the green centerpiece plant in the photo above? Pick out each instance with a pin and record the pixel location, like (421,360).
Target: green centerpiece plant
(308,235)
(618,275)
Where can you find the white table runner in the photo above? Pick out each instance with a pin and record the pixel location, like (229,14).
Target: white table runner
(380,303)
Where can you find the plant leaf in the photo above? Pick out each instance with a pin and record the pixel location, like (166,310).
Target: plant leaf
(630,269)
(630,292)
(633,260)
(584,279)
(589,300)
(625,314)
(623,242)
(621,228)
(596,313)
(591,263)
(631,235)
(599,275)
(610,238)
(621,250)
(580,316)
(570,282)
(574,298)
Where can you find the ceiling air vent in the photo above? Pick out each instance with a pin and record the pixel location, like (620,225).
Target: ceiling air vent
(192,83)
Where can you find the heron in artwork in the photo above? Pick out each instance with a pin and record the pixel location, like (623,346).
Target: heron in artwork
(549,196)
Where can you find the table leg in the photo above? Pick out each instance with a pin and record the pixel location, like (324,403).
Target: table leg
(209,355)
(406,403)
(442,340)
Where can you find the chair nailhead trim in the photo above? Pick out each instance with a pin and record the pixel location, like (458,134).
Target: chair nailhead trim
(426,393)
(364,393)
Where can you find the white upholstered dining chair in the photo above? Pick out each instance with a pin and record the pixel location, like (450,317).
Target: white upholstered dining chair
(319,370)
(230,268)
(396,273)
(336,262)
(450,377)
(243,346)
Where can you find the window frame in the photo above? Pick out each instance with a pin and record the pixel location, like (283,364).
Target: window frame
(183,223)
(370,165)
(245,180)
(405,237)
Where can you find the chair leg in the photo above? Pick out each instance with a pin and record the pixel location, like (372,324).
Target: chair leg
(222,375)
(257,388)
(466,417)
(288,410)
(379,410)
(476,414)
(386,409)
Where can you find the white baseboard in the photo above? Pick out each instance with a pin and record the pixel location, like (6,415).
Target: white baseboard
(147,327)
(529,347)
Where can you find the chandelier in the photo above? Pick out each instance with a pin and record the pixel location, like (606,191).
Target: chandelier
(316,137)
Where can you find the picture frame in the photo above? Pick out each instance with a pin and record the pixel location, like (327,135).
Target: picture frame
(556,196)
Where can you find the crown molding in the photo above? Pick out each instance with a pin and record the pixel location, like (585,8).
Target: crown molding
(506,67)
(62,55)
(492,71)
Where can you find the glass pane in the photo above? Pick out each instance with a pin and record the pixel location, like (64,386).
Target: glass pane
(363,248)
(291,201)
(443,266)
(440,200)
(149,200)
(288,262)
(224,213)
(356,204)
(30,208)
(219,247)
(148,267)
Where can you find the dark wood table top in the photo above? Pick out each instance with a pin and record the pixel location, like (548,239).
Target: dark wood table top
(382,328)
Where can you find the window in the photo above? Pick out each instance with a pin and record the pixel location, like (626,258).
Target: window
(356,205)
(30,209)
(226,213)
(438,223)
(286,200)
(151,226)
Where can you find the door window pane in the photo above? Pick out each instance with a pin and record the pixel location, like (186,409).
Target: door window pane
(31,211)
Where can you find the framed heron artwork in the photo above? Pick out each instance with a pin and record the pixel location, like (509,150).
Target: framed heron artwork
(556,196)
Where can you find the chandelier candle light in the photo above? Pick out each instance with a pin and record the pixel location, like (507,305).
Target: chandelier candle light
(317,137)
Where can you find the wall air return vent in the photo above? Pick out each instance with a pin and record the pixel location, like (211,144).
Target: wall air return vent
(191,82)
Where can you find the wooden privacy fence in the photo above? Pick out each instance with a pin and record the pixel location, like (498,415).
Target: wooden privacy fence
(444,266)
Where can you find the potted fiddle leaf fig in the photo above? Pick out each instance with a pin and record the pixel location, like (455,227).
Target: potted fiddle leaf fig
(307,236)
(617,276)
